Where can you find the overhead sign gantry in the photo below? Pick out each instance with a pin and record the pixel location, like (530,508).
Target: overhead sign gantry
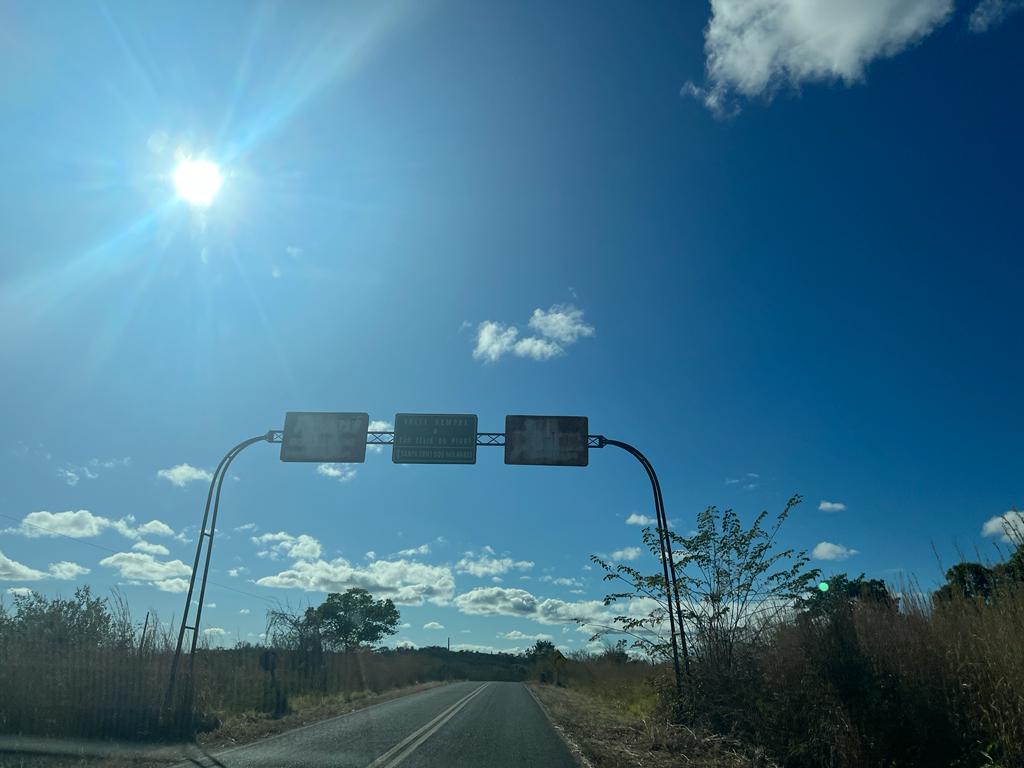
(427,438)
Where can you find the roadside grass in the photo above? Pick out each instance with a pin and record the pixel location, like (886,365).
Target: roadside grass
(621,727)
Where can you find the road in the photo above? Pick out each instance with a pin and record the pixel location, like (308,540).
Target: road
(462,725)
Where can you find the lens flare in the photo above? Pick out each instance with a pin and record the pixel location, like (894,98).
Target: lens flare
(197,181)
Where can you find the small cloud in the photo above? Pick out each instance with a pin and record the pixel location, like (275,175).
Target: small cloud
(293,251)
(832,506)
(301,547)
(627,553)
(990,13)
(635,519)
(340,472)
(243,611)
(275,272)
(19,591)
(214,632)
(153,549)
(68,476)
(497,579)
(236,572)
(557,328)
(370,555)
(181,475)
(433,625)
(1009,526)
(66,571)
(246,527)
(515,634)
(826,550)
(422,549)
(170,585)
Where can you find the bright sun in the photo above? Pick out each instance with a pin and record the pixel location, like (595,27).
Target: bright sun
(197,181)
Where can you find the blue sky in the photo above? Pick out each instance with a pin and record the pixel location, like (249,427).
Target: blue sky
(776,250)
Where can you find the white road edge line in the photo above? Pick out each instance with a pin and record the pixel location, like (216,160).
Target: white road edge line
(408,745)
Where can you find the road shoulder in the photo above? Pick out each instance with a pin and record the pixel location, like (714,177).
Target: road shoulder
(602,735)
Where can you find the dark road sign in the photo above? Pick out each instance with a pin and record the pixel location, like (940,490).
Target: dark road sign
(547,440)
(434,438)
(325,437)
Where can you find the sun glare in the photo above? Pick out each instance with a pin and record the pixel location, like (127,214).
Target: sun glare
(197,181)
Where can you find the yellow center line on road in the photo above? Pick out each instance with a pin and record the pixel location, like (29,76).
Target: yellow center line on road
(408,745)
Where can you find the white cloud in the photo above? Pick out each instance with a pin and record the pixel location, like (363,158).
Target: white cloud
(562,581)
(155,528)
(515,634)
(243,611)
(72,473)
(485,564)
(370,555)
(557,328)
(826,550)
(1009,526)
(246,527)
(301,547)
(12,570)
(83,524)
(67,571)
(68,476)
(635,519)
(563,323)
(140,566)
(537,349)
(236,572)
(493,341)
(433,625)
(831,506)
(989,13)
(171,585)
(76,525)
(183,474)
(405,581)
(340,472)
(756,47)
(627,553)
(214,631)
(501,601)
(152,549)
(19,591)
(422,549)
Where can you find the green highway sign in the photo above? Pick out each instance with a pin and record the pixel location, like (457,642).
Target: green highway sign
(434,438)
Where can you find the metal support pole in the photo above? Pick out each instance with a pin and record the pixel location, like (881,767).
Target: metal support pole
(217,482)
(667,562)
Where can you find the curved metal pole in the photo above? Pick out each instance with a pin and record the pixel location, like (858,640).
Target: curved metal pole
(667,560)
(230,457)
(216,480)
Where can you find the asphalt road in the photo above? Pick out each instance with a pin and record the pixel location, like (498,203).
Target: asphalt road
(463,725)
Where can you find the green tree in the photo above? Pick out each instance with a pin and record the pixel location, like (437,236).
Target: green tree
(971,580)
(79,621)
(732,580)
(843,593)
(540,650)
(343,622)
